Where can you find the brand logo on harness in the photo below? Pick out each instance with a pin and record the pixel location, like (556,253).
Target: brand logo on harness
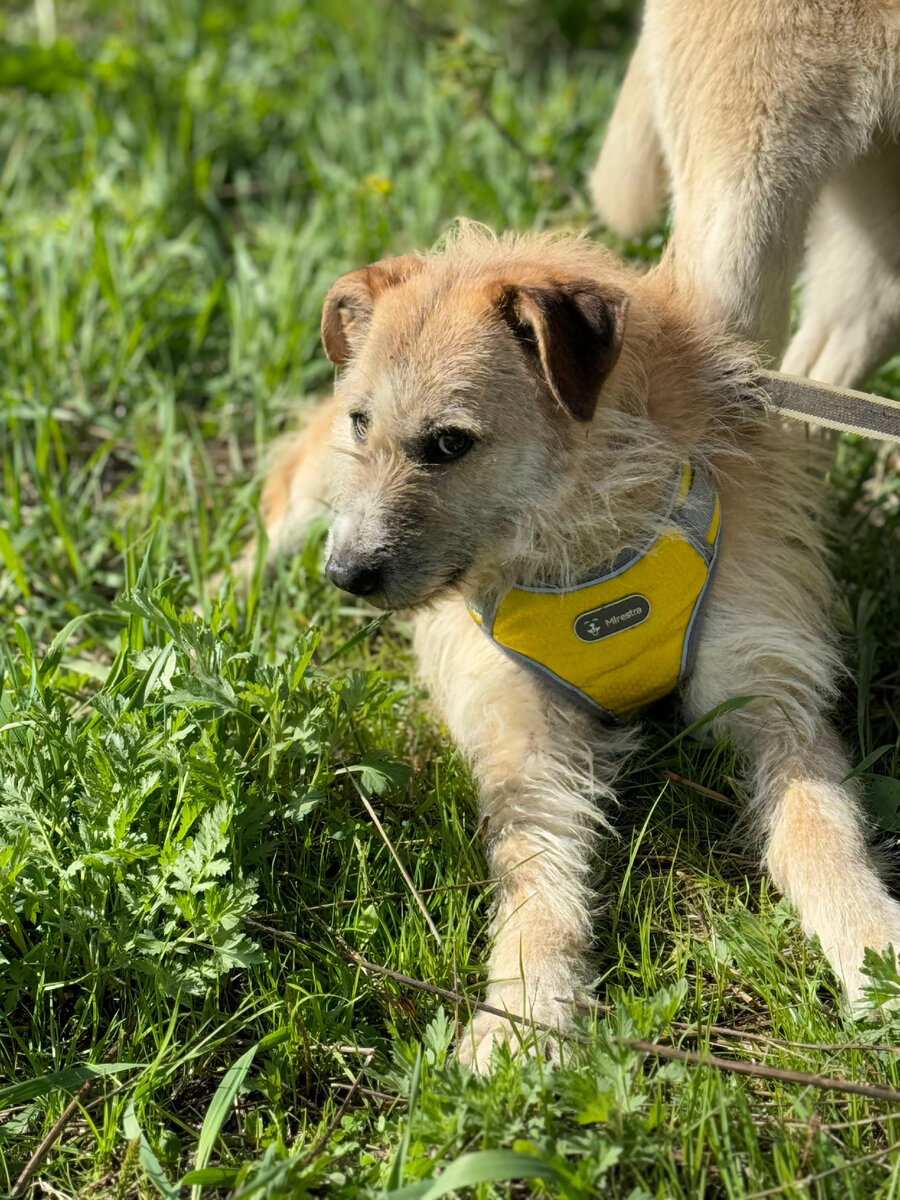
(603,622)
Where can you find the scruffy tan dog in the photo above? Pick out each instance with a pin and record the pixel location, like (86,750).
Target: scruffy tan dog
(767,121)
(510,415)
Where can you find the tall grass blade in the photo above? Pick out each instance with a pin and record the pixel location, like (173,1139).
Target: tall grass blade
(148,1160)
(60,1081)
(487,1166)
(218,1110)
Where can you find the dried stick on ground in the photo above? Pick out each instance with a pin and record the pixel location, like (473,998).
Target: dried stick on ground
(757,1070)
(36,1161)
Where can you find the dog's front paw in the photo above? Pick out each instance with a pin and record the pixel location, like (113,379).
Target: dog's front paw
(878,934)
(548,1020)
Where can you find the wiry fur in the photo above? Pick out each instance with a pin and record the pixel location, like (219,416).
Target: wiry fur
(752,117)
(545,497)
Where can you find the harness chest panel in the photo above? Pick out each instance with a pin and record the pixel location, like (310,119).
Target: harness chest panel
(624,637)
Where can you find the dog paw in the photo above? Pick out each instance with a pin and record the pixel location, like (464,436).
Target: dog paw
(848,961)
(538,1034)
(476,1046)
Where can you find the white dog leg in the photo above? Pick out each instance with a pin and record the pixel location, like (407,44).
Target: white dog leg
(737,244)
(851,311)
(630,180)
(537,783)
(750,141)
(817,856)
(766,637)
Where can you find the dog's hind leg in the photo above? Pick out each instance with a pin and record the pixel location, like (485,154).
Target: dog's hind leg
(766,636)
(295,492)
(738,229)
(629,181)
(851,301)
(750,140)
(538,785)
(297,487)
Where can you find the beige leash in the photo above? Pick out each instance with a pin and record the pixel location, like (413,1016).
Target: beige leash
(837,408)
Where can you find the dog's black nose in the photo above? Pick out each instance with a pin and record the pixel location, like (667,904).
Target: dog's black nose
(354,575)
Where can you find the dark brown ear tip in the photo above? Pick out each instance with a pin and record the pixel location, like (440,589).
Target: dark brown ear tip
(608,296)
(573,331)
(620,300)
(392,272)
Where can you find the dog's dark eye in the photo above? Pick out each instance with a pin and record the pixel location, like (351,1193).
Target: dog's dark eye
(360,423)
(447,445)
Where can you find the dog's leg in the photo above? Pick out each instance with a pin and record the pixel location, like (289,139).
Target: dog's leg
(817,855)
(629,182)
(295,493)
(766,636)
(851,309)
(538,786)
(750,140)
(737,241)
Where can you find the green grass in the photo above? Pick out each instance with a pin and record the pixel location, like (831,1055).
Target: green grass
(186,869)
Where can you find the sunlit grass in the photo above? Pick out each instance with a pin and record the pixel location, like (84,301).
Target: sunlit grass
(188,878)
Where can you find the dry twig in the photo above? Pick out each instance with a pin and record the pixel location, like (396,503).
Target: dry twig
(47,1143)
(806,1180)
(755,1070)
(782,1043)
(825,1083)
(699,787)
(49,1190)
(381,896)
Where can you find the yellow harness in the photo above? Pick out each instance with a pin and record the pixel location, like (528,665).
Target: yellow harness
(625,637)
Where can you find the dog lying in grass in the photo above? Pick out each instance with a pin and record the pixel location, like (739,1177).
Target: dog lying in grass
(770,125)
(576,493)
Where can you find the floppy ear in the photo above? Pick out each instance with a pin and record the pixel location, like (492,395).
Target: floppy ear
(573,332)
(350,301)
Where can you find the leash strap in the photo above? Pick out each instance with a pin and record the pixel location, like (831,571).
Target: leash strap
(838,408)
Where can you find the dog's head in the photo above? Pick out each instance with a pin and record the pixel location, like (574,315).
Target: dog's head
(463,388)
